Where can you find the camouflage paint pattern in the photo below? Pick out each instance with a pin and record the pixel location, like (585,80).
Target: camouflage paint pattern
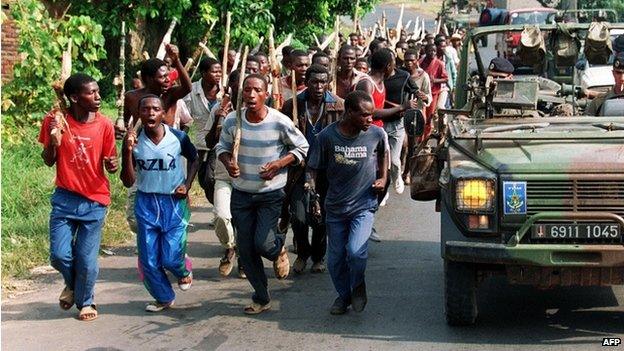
(574,171)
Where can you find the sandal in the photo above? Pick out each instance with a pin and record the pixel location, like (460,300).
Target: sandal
(281,265)
(66,300)
(157,306)
(256,308)
(87,313)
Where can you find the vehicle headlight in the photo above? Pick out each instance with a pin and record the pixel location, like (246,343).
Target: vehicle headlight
(474,195)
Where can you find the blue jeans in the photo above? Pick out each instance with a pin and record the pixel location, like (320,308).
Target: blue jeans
(347,249)
(75,233)
(255,219)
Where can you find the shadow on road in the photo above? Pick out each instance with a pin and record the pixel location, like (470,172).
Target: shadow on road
(404,280)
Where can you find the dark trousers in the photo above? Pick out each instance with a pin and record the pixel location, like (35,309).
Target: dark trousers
(299,205)
(255,219)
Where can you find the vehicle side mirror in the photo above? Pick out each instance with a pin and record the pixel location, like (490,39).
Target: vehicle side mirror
(414,122)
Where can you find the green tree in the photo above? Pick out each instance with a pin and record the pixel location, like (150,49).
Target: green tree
(42,40)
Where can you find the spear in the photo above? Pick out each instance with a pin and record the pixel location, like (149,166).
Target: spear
(239,106)
(293,87)
(166,40)
(60,109)
(119,81)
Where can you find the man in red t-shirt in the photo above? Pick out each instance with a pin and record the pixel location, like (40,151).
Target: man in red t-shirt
(85,147)
(438,76)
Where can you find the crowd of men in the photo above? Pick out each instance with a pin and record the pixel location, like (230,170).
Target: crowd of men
(319,157)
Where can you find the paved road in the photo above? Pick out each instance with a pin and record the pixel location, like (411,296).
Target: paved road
(405,310)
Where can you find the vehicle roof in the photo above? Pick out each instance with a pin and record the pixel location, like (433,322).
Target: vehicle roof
(510,27)
(533,9)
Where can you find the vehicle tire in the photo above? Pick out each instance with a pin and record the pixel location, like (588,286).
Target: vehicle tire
(460,293)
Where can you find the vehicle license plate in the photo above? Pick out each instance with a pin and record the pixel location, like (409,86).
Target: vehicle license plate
(576,231)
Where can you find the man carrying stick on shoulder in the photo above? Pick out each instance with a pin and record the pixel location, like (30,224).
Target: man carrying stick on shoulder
(269,144)
(82,194)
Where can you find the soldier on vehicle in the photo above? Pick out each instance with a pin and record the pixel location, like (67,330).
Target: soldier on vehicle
(593,108)
(500,68)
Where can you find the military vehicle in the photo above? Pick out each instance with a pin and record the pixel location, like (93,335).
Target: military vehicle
(523,190)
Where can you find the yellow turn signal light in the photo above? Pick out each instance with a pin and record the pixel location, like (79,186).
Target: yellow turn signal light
(475,195)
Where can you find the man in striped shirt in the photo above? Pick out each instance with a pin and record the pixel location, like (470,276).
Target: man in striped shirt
(269,144)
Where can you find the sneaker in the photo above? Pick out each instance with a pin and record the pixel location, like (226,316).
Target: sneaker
(185,283)
(281,265)
(358,297)
(339,307)
(157,306)
(318,267)
(384,201)
(227,262)
(374,236)
(300,265)
(399,186)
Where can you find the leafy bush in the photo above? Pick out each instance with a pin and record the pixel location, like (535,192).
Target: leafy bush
(41,43)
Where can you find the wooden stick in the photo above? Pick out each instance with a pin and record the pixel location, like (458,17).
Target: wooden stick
(121,90)
(166,40)
(355,16)
(257,47)
(237,58)
(199,50)
(334,58)
(206,51)
(275,73)
(293,87)
(60,108)
(189,64)
(287,41)
(239,106)
(226,48)
(327,41)
(318,43)
(197,66)
(399,25)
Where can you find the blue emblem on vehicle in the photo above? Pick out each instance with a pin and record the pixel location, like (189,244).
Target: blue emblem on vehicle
(514,195)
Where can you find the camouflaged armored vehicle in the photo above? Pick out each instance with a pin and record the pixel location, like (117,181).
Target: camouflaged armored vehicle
(528,187)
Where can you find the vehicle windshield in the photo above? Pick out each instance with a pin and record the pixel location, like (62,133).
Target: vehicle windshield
(533,17)
(562,89)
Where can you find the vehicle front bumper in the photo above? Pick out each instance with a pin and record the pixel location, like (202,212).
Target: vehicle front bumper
(544,255)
